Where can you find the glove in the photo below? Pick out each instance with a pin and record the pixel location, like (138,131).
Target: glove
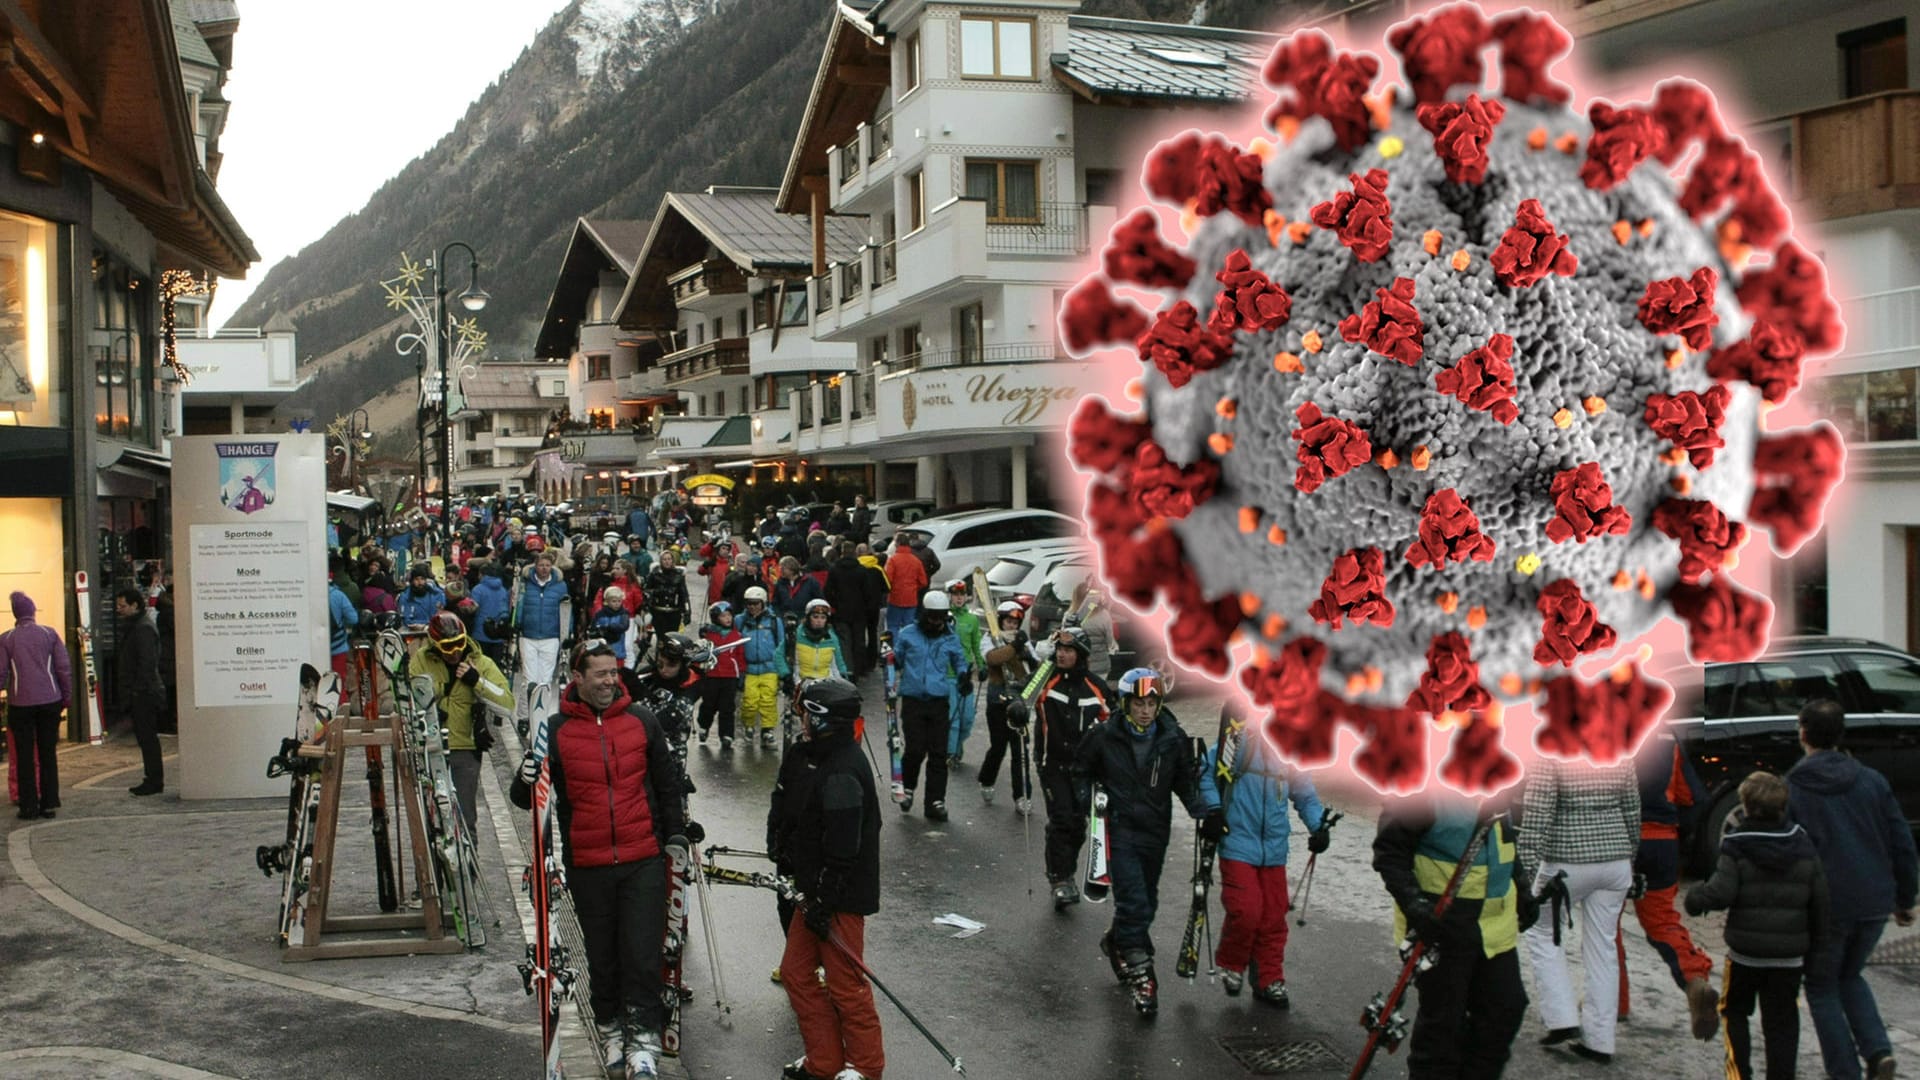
(482,737)
(694,833)
(1422,918)
(819,919)
(1639,887)
(1017,714)
(1213,826)
(965,674)
(471,676)
(980,676)
(1527,910)
(529,769)
(1319,839)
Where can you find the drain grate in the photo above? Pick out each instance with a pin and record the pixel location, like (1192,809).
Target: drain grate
(1266,1057)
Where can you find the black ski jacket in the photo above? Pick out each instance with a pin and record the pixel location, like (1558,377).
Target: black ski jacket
(1139,796)
(666,590)
(1071,703)
(1770,882)
(825,823)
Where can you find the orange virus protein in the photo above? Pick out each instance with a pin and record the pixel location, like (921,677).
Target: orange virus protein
(1453,388)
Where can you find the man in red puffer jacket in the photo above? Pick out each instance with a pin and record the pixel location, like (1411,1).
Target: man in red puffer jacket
(616,789)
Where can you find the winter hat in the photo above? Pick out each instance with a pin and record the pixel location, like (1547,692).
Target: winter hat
(22,605)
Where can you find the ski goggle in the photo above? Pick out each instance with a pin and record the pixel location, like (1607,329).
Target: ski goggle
(452,645)
(1144,687)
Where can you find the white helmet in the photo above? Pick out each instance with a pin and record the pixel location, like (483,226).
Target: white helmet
(936,601)
(1011,607)
(820,606)
(755,593)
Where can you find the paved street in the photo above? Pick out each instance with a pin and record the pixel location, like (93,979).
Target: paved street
(136,938)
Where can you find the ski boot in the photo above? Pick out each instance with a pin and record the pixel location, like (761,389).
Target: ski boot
(767,739)
(643,1055)
(1024,805)
(1234,982)
(936,811)
(797,1070)
(1065,895)
(1136,970)
(613,1044)
(1274,993)
(906,801)
(986,794)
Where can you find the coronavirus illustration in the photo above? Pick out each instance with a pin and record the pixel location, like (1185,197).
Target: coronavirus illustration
(1454,390)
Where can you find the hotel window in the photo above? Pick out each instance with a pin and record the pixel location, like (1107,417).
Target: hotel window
(599,367)
(877,352)
(740,320)
(917,201)
(969,335)
(33,287)
(763,309)
(910,65)
(910,343)
(120,350)
(1011,190)
(1874,58)
(996,48)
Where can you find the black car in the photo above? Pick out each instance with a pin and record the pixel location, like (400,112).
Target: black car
(1736,719)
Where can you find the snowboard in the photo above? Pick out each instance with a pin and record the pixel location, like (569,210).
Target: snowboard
(1099,882)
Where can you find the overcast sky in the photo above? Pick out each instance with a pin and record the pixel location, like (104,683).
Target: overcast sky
(331,100)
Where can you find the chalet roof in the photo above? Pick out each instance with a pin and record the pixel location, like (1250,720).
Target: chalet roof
(737,431)
(1125,61)
(597,246)
(507,387)
(188,42)
(741,224)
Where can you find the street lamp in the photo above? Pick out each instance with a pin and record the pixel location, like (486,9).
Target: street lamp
(473,299)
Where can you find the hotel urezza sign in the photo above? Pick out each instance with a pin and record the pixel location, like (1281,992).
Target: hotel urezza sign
(981,397)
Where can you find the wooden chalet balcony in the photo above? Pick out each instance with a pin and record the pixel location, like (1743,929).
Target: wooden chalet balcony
(722,356)
(1859,156)
(715,277)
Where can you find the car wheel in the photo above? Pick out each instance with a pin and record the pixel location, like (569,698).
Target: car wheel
(1706,841)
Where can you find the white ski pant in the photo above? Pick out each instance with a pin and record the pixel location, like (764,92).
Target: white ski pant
(1598,890)
(538,658)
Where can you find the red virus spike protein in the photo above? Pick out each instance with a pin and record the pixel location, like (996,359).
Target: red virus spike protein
(1401,477)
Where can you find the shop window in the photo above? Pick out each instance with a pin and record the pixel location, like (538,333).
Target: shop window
(33,390)
(120,350)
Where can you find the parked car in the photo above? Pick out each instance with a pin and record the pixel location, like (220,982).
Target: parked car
(1736,719)
(980,537)
(1026,571)
(890,514)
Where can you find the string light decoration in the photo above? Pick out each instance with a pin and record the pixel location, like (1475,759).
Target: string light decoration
(1454,391)
(175,284)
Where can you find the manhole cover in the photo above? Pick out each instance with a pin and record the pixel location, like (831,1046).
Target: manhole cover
(1266,1057)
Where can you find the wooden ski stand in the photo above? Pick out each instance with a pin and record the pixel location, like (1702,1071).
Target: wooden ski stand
(339,740)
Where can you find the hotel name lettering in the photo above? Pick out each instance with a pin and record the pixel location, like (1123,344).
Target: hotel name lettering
(1026,404)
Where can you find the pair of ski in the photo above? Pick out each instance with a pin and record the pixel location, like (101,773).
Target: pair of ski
(548,972)
(1227,746)
(293,858)
(896,745)
(386,879)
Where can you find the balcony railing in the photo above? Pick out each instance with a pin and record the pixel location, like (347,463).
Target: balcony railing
(1054,229)
(880,138)
(715,277)
(850,161)
(984,354)
(805,398)
(1859,156)
(831,407)
(885,269)
(822,293)
(723,356)
(852,277)
(863,389)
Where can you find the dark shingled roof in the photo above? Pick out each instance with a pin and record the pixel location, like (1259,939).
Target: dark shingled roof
(743,224)
(621,240)
(737,431)
(1148,61)
(495,387)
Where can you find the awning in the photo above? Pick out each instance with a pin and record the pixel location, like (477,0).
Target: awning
(346,500)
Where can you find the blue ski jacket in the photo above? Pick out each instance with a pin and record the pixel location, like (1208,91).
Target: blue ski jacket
(928,666)
(341,617)
(766,646)
(1257,826)
(416,610)
(494,603)
(539,614)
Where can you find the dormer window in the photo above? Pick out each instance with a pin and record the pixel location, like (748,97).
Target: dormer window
(994,47)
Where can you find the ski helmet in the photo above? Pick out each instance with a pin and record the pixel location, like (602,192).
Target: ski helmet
(958,587)
(819,607)
(717,609)
(828,702)
(936,601)
(1010,608)
(1141,682)
(755,595)
(674,649)
(1075,638)
(447,632)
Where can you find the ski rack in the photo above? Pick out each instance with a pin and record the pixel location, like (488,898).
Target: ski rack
(438,940)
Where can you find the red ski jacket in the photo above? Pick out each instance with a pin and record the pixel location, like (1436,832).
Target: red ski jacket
(616,781)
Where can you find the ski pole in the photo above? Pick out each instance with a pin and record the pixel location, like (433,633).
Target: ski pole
(1026,819)
(904,1011)
(1328,819)
(713,948)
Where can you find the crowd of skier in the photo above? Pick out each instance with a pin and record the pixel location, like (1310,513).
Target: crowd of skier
(796,616)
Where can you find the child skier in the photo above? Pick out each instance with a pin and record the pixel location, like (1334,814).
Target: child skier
(967,626)
(610,622)
(721,693)
(817,651)
(1073,702)
(766,659)
(1141,760)
(1007,667)
(1253,860)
